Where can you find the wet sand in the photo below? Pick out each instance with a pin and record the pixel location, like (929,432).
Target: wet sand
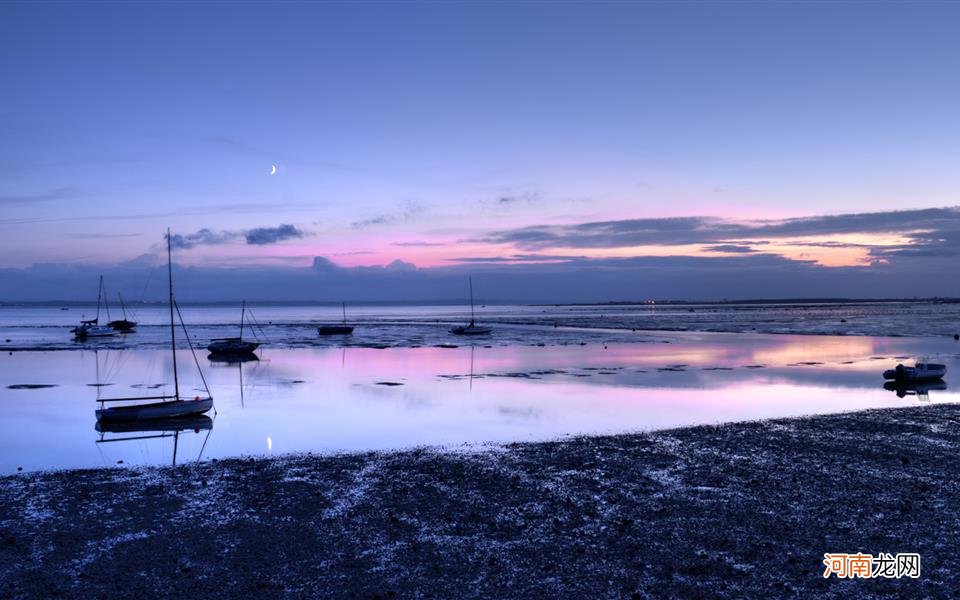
(732,510)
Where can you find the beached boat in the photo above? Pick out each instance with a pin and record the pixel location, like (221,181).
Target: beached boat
(123,325)
(167,407)
(233,346)
(471,328)
(921,371)
(91,328)
(337,329)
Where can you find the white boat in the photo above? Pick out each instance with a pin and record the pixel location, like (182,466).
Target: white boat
(921,371)
(91,328)
(471,328)
(161,407)
(86,330)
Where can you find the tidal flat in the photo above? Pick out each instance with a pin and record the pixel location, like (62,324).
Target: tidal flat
(734,510)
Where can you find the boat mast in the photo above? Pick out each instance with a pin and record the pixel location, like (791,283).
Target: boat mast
(344,305)
(243,309)
(173,330)
(99,291)
(122,307)
(106,301)
(471,301)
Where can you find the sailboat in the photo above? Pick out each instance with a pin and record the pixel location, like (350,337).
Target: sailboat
(123,325)
(342,329)
(233,346)
(471,328)
(91,328)
(169,406)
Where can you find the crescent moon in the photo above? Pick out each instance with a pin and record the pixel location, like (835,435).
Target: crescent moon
(273,169)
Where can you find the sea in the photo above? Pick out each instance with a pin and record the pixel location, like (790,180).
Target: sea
(402,380)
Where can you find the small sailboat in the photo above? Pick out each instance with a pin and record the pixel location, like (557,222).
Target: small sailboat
(471,328)
(91,328)
(921,371)
(123,325)
(233,346)
(169,406)
(333,329)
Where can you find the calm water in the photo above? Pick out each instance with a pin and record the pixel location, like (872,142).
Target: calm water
(332,399)
(406,326)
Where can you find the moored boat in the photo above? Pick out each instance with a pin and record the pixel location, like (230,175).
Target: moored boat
(91,328)
(169,406)
(123,325)
(339,328)
(471,328)
(233,346)
(921,371)
(156,410)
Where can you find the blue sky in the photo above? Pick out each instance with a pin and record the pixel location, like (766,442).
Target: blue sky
(421,131)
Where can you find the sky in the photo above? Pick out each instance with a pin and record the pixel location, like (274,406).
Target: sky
(560,151)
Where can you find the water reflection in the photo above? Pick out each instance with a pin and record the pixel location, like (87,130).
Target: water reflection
(299,400)
(157,429)
(919,389)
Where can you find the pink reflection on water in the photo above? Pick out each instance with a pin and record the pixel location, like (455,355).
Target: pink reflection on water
(331,399)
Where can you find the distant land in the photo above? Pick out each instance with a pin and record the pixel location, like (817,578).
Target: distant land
(459,301)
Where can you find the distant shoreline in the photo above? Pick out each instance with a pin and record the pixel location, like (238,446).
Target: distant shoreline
(460,301)
(740,510)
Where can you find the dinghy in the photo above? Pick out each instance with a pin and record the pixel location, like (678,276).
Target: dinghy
(921,371)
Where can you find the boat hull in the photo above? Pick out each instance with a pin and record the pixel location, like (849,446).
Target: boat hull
(95,331)
(232,348)
(471,330)
(122,325)
(155,410)
(335,329)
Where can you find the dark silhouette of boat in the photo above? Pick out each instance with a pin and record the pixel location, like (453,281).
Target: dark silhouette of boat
(123,325)
(233,346)
(471,328)
(168,406)
(333,329)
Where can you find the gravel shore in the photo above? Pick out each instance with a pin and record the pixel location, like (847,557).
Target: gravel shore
(712,511)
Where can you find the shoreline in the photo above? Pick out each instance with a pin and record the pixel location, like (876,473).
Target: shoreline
(737,509)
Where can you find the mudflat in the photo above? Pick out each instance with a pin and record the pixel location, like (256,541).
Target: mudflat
(722,511)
